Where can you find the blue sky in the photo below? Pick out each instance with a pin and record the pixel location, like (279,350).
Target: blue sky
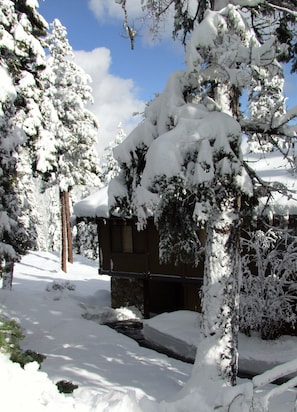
(148,65)
(123,80)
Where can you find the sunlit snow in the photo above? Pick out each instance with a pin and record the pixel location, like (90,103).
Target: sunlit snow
(113,373)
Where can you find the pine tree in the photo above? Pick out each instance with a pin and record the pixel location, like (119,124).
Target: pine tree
(85,241)
(75,160)
(22,60)
(28,197)
(184,160)
(109,167)
(86,236)
(265,18)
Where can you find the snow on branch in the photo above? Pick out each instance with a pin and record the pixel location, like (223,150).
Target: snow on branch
(285,118)
(272,4)
(277,127)
(276,373)
(284,8)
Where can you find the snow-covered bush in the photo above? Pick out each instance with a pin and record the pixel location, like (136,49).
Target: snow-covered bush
(57,289)
(10,336)
(269,291)
(60,286)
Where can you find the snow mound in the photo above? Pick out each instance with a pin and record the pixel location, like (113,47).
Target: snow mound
(30,390)
(107,314)
(37,393)
(178,331)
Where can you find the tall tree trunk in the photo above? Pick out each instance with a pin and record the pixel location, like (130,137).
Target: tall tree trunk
(7,273)
(68,226)
(216,361)
(221,295)
(63,232)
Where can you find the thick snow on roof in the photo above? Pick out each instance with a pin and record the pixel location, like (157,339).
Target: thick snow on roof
(95,205)
(271,167)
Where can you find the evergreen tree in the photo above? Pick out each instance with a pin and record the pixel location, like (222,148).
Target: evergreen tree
(183,164)
(22,60)
(75,160)
(110,167)
(265,17)
(85,239)
(86,236)
(30,218)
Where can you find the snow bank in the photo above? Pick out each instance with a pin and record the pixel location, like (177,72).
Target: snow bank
(30,390)
(180,332)
(112,372)
(177,331)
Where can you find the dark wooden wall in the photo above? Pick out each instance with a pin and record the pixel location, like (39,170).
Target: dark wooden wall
(166,287)
(144,259)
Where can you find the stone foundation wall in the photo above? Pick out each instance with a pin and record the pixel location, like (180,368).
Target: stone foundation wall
(127,292)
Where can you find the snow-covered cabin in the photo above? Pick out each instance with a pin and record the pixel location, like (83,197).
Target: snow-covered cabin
(131,257)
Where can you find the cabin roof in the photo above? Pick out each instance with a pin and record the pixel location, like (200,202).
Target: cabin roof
(95,205)
(274,168)
(271,167)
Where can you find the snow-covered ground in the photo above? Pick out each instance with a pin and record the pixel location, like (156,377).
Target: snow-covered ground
(180,332)
(113,372)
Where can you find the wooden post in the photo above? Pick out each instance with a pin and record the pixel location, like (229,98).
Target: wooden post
(146,298)
(63,232)
(68,228)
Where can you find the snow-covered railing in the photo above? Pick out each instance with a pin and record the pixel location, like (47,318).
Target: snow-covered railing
(281,371)
(244,397)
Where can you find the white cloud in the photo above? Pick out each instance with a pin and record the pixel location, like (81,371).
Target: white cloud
(107,11)
(110,9)
(115,99)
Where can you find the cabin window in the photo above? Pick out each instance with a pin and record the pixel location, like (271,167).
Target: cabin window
(293,224)
(116,238)
(126,238)
(139,240)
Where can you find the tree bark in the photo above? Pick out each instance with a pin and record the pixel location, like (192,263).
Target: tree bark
(216,363)
(68,228)
(221,294)
(7,274)
(63,232)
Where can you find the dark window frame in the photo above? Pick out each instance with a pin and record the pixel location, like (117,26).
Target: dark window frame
(125,238)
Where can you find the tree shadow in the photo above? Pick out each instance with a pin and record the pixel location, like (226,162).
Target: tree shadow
(79,350)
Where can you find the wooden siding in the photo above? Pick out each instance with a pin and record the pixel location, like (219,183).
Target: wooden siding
(143,259)
(156,287)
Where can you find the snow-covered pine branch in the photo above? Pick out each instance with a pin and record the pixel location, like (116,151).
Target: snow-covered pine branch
(21,123)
